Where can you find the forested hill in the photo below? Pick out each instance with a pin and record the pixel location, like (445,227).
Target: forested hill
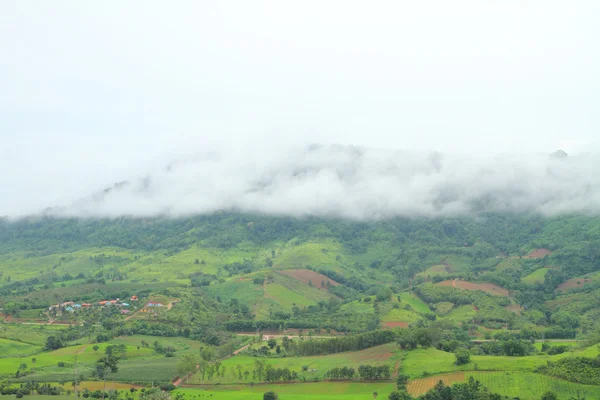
(511,269)
(572,238)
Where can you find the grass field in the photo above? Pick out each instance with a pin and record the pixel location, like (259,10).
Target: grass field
(436,270)
(415,302)
(33,334)
(530,386)
(379,355)
(536,276)
(434,362)
(11,348)
(316,390)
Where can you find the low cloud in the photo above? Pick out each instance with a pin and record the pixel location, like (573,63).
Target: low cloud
(350,182)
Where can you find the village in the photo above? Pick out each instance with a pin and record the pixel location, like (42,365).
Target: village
(125,308)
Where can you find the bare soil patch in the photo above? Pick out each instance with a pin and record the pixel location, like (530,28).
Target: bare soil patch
(418,387)
(318,280)
(538,253)
(394,324)
(574,283)
(484,287)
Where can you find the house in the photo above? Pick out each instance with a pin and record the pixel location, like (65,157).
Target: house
(125,311)
(155,305)
(86,305)
(77,306)
(103,302)
(124,305)
(134,298)
(67,303)
(69,309)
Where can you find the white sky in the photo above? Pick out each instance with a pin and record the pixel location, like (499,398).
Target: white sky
(97,91)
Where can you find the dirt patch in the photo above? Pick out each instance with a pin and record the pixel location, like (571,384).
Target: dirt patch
(538,253)
(418,387)
(484,287)
(573,283)
(394,324)
(317,280)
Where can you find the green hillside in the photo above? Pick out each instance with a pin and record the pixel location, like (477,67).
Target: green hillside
(194,290)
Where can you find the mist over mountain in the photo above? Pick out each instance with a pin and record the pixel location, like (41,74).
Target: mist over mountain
(352,182)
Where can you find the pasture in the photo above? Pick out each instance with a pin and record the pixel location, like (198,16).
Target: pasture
(316,366)
(536,276)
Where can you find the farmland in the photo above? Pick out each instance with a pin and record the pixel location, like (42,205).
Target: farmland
(302,282)
(484,287)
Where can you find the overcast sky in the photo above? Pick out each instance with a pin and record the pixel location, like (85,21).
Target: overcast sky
(92,92)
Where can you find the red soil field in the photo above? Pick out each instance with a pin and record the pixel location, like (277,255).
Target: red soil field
(395,324)
(484,287)
(538,253)
(418,387)
(573,283)
(306,275)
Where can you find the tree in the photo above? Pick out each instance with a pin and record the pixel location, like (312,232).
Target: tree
(53,343)
(270,396)
(272,343)
(462,356)
(96,347)
(549,396)
(399,395)
(104,366)
(401,381)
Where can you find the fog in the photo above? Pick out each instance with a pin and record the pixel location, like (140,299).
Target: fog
(352,182)
(231,93)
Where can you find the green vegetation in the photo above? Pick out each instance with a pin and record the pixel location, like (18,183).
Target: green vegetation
(211,278)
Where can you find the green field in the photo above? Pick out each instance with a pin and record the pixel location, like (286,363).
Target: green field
(432,361)
(11,348)
(316,390)
(435,270)
(536,276)
(528,385)
(317,365)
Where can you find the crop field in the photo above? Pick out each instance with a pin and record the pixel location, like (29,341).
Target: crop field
(33,334)
(536,276)
(415,302)
(436,270)
(321,254)
(158,369)
(484,287)
(509,263)
(461,313)
(418,387)
(530,386)
(84,353)
(400,315)
(317,365)
(180,344)
(433,361)
(579,282)
(307,276)
(538,253)
(312,390)
(11,348)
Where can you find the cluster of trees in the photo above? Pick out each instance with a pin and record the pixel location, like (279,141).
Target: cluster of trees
(340,344)
(272,374)
(341,373)
(553,350)
(511,347)
(374,372)
(577,369)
